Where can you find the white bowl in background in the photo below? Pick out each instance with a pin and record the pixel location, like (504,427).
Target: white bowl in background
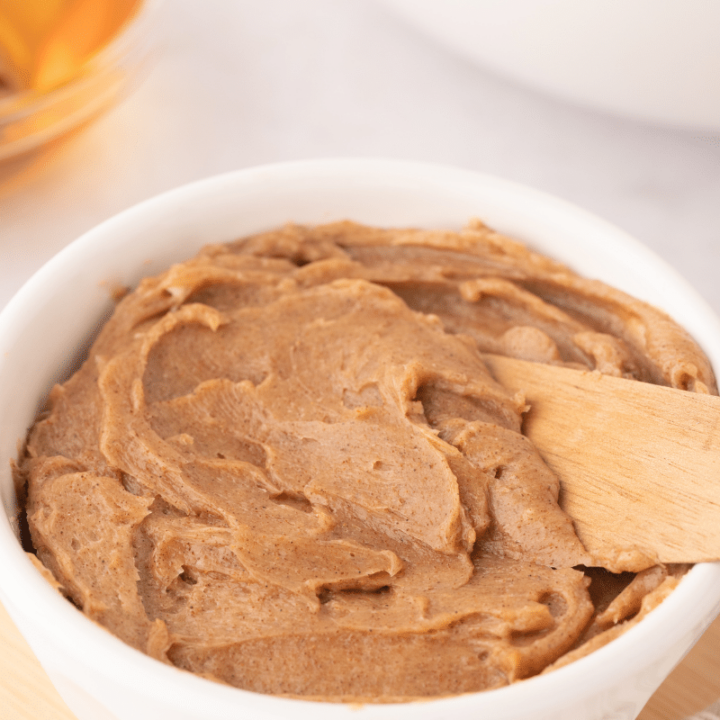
(653,60)
(47,325)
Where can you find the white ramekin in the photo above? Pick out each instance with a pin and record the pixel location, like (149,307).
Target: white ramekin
(46,327)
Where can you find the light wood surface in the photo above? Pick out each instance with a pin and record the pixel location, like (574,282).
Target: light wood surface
(639,464)
(26,692)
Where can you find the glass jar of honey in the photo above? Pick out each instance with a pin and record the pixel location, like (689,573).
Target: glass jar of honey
(64,61)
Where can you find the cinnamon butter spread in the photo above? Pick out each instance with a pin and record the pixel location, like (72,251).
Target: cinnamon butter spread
(285,466)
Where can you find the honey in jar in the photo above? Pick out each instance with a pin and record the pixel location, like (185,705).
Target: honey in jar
(45,43)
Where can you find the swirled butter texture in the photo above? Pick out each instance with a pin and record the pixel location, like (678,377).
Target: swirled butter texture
(285,466)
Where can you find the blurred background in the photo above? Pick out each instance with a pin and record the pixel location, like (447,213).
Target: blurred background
(227,84)
(236,83)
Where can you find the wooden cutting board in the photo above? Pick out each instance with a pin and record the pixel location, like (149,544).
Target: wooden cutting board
(26,692)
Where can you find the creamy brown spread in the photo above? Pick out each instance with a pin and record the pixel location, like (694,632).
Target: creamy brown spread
(285,466)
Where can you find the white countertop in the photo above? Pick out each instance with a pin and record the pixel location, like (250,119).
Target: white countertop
(240,83)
